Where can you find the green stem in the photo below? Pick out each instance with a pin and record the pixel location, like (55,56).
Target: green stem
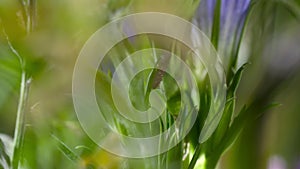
(30,12)
(20,121)
(195,157)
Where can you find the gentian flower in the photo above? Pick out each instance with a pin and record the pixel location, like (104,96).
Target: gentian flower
(232,19)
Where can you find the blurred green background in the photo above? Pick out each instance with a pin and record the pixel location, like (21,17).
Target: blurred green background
(60,28)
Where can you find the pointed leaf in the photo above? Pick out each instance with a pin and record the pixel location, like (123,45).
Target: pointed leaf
(234,83)
(68,152)
(229,107)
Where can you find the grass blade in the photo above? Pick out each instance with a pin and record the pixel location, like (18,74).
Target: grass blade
(20,122)
(66,150)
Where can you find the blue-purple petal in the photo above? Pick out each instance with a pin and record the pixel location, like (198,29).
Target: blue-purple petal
(233,14)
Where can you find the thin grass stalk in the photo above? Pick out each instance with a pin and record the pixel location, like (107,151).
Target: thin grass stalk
(30,12)
(29,8)
(20,122)
(195,157)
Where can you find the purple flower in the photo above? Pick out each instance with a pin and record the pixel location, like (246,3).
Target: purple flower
(232,18)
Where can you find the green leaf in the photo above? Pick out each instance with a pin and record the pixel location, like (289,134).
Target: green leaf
(234,83)
(206,120)
(223,126)
(174,103)
(205,99)
(234,130)
(217,139)
(68,152)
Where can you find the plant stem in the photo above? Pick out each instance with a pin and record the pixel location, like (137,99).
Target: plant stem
(195,157)
(30,12)
(20,121)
